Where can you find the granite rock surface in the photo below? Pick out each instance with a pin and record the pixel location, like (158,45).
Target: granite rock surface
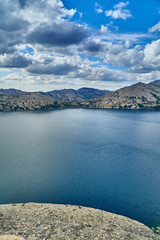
(34,221)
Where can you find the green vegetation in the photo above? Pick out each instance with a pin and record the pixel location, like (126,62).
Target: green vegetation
(154,95)
(140,105)
(156,230)
(132,97)
(143,99)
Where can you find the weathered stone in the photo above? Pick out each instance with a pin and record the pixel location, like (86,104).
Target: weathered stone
(10,237)
(34,221)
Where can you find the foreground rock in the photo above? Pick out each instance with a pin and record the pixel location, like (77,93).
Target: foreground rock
(33,221)
(10,237)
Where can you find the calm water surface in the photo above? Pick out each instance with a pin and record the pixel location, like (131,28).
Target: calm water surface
(98,158)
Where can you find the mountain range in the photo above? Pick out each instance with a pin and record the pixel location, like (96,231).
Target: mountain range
(77,95)
(68,95)
(136,96)
(13,99)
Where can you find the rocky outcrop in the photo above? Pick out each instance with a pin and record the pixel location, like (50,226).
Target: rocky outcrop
(33,221)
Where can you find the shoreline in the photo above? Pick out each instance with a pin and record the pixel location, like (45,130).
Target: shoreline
(109,109)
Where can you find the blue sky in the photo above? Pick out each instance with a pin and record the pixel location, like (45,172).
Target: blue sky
(54,44)
(144,13)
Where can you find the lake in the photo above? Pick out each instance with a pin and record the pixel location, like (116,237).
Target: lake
(106,159)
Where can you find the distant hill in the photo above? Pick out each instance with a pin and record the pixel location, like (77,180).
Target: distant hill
(77,95)
(155,83)
(137,96)
(64,94)
(13,99)
(11,91)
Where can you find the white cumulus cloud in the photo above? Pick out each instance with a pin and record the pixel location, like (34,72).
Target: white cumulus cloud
(152,52)
(98,8)
(119,11)
(155,28)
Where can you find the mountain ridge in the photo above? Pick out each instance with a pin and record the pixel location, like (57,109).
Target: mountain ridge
(64,94)
(155,83)
(136,96)
(77,95)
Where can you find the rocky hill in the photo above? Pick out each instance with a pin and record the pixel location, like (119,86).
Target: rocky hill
(137,96)
(33,221)
(64,94)
(77,95)
(155,83)
(11,91)
(30,101)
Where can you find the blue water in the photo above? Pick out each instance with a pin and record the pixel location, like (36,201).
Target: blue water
(98,158)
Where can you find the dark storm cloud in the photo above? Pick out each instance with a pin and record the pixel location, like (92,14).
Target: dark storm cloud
(62,34)
(22,3)
(93,46)
(6,49)
(11,24)
(59,69)
(37,22)
(14,61)
(9,41)
(9,18)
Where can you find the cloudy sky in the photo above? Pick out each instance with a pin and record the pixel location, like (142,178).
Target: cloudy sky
(55,44)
